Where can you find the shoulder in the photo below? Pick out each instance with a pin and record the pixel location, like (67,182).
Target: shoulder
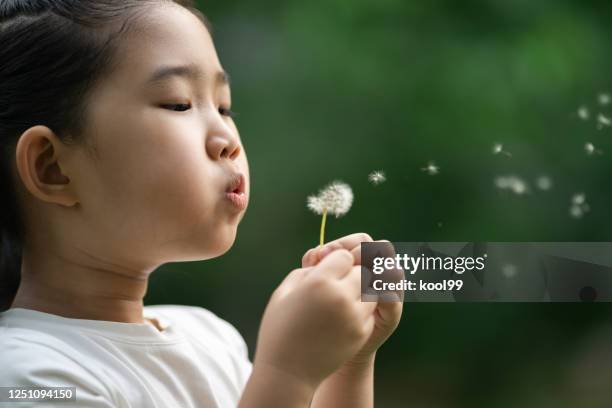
(30,358)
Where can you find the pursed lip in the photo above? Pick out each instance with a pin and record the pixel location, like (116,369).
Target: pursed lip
(236,192)
(236,184)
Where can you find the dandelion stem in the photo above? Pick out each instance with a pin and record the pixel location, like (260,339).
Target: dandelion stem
(322,239)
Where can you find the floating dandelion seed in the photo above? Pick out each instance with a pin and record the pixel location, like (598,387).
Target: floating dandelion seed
(336,198)
(519,187)
(578,205)
(431,169)
(377,177)
(512,183)
(591,150)
(576,211)
(583,113)
(502,182)
(603,98)
(602,121)
(578,199)
(544,183)
(498,148)
(509,271)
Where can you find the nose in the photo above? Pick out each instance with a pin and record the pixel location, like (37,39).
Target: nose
(222,143)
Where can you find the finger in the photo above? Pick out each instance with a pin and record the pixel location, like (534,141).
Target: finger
(336,264)
(356,252)
(307,259)
(390,313)
(354,285)
(314,255)
(368,309)
(351,241)
(383,248)
(352,282)
(369,323)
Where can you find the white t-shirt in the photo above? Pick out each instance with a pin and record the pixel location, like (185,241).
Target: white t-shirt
(197,360)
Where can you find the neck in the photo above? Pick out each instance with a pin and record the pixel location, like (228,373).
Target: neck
(82,290)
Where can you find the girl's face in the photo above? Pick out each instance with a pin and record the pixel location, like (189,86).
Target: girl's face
(168,151)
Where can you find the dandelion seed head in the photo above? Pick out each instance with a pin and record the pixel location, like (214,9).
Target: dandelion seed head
(377,177)
(544,183)
(498,148)
(603,98)
(336,198)
(583,113)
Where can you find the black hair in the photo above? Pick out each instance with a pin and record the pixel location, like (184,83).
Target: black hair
(52,53)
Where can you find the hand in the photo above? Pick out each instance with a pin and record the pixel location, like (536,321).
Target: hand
(315,321)
(386,314)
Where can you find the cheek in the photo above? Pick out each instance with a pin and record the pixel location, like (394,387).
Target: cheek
(158,191)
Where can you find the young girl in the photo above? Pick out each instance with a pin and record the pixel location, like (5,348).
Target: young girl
(119,154)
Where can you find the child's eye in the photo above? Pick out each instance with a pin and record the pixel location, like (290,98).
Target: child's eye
(179,107)
(227,112)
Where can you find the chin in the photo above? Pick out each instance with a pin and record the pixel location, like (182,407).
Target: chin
(223,241)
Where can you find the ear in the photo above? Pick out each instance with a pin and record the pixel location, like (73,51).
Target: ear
(38,158)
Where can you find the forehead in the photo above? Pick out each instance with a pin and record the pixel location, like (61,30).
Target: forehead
(166,35)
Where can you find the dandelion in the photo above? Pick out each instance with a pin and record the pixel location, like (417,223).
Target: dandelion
(377,177)
(336,198)
(602,121)
(544,183)
(431,169)
(498,148)
(591,150)
(603,98)
(583,113)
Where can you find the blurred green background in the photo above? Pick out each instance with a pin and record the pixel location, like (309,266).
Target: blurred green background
(334,89)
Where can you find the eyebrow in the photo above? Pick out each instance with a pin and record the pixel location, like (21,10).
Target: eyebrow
(189,71)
